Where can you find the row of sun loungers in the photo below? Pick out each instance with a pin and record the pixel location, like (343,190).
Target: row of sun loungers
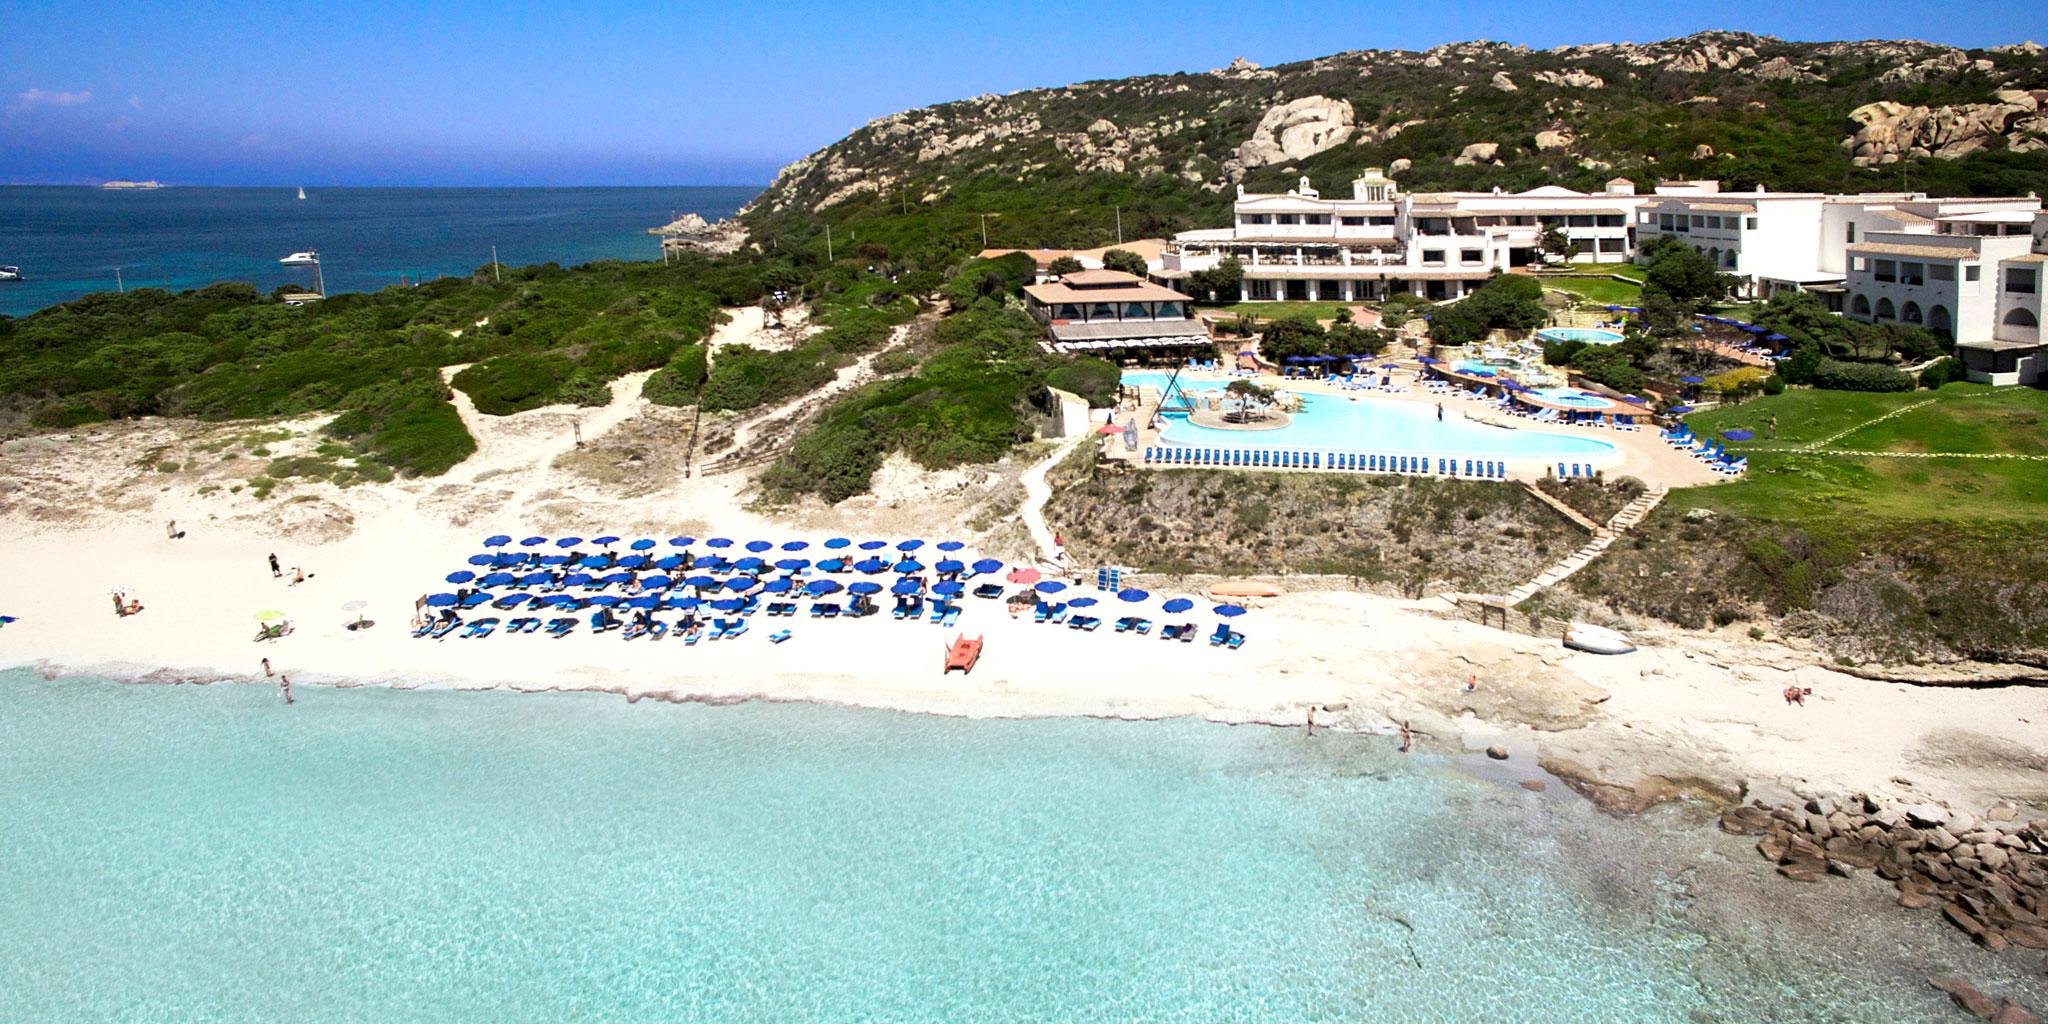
(1058,615)
(1417,465)
(1709,452)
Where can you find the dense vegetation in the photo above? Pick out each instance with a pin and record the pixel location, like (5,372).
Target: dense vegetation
(1052,167)
(544,335)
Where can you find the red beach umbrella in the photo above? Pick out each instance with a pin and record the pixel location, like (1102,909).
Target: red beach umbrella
(1023,576)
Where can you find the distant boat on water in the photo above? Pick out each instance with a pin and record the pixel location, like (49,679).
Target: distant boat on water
(131,184)
(10,273)
(302,191)
(301,259)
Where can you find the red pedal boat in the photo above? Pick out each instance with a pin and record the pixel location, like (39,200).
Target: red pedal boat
(963,654)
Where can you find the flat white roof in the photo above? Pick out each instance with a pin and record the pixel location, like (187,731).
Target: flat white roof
(1994,217)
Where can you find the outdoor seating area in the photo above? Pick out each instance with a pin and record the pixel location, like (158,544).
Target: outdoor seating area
(556,587)
(1710,452)
(1512,398)
(1326,461)
(716,589)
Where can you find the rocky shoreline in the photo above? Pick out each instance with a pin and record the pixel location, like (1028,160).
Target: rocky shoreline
(1988,876)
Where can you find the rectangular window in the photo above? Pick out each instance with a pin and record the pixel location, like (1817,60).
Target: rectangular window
(1472,257)
(1852,233)
(1859,263)
(1886,270)
(1699,220)
(1972,272)
(1613,245)
(1254,218)
(2019,280)
(1353,222)
(1284,218)
(1318,218)
(1582,220)
(1432,257)
(1752,224)
(1383,222)
(1941,272)
(1912,273)
(1608,220)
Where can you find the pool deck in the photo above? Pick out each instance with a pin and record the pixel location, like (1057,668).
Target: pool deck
(1645,456)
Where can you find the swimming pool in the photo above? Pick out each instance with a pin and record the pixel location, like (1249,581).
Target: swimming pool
(1589,335)
(1364,423)
(1574,398)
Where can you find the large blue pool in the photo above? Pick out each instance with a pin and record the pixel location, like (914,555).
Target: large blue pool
(1371,423)
(1589,335)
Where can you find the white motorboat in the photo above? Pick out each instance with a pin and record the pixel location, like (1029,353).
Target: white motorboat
(10,273)
(1596,639)
(301,259)
(302,191)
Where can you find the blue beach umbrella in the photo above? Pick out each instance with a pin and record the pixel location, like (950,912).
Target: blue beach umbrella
(700,582)
(1635,399)
(778,586)
(741,584)
(793,564)
(988,565)
(603,601)
(476,599)
(758,546)
(577,579)
(1738,435)
(837,543)
(481,560)
(871,565)
(513,600)
(795,545)
(635,562)
(718,542)
(607,540)
(730,604)
(682,604)
(873,545)
(657,583)
(532,542)
(949,588)
(1049,586)
(1692,380)
(554,559)
(1132,594)
(819,588)
(1082,602)
(1229,611)
(909,565)
(751,564)
(1679,409)
(713,563)
(864,587)
(617,577)
(909,545)
(681,542)
(669,563)
(440,600)
(461,577)
(644,601)
(1178,604)
(568,542)
(950,565)
(557,601)
(497,540)
(832,565)
(905,587)
(534,579)
(497,579)
(643,544)
(950,545)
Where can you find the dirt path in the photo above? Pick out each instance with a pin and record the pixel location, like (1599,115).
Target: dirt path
(1037,492)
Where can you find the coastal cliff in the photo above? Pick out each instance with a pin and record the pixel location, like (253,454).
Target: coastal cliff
(1743,108)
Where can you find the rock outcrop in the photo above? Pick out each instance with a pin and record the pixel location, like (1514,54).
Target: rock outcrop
(1476,153)
(1887,131)
(1294,130)
(1555,138)
(1573,78)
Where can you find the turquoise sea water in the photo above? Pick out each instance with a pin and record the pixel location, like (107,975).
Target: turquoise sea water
(193,853)
(1338,421)
(68,240)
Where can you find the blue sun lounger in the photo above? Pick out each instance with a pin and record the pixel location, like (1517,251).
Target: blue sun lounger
(480,628)
(778,636)
(559,628)
(1236,640)
(1221,636)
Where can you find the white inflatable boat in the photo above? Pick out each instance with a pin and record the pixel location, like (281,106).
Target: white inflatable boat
(1596,639)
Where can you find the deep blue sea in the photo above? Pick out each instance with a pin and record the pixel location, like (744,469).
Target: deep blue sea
(69,240)
(204,853)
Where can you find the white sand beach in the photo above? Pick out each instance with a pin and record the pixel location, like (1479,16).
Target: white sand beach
(86,512)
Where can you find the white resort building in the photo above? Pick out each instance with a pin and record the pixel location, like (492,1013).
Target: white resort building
(1973,277)
(1303,247)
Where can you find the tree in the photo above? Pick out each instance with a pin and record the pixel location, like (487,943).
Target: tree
(1553,242)
(1509,301)
(1682,272)
(1126,261)
(1063,266)
(1291,337)
(1249,394)
(1220,281)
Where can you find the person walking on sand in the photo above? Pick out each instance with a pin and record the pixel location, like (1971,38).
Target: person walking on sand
(171,529)
(276,570)
(1439,412)
(1311,719)
(266,668)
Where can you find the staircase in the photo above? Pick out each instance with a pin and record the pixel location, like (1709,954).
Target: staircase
(1603,538)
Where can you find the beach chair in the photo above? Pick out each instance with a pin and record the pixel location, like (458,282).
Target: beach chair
(480,628)
(939,609)
(518,625)
(559,628)
(1187,633)
(989,591)
(1059,614)
(424,628)
(778,636)
(447,625)
(1089,622)
(532,625)
(1042,612)
(691,636)
(1221,636)
(1733,467)
(1141,626)
(952,617)
(735,629)
(657,629)
(1123,625)
(1236,640)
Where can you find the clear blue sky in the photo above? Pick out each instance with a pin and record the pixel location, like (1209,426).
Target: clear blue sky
(698,92)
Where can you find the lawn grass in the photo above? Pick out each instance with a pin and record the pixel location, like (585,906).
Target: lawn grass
(1604,290)
(1822,491)
(1282,310)
(1628,270)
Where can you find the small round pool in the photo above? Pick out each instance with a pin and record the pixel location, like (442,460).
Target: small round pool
(1589,335)
(1573,397)
(1477,369)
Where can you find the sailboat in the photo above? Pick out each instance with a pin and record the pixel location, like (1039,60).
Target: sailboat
(302,191)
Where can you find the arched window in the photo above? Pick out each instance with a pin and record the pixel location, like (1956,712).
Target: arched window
(1859,306)
(1939,322)
(1714,256)
(1910,313)
(1885,310)
(2021,317)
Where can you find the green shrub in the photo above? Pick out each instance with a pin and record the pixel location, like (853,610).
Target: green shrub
(1093,379)
(744,377)
(1943,371)
(1834,375)
(677,383)
(1774,385)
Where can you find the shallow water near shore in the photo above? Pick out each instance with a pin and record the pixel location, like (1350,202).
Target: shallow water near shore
(187,853)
